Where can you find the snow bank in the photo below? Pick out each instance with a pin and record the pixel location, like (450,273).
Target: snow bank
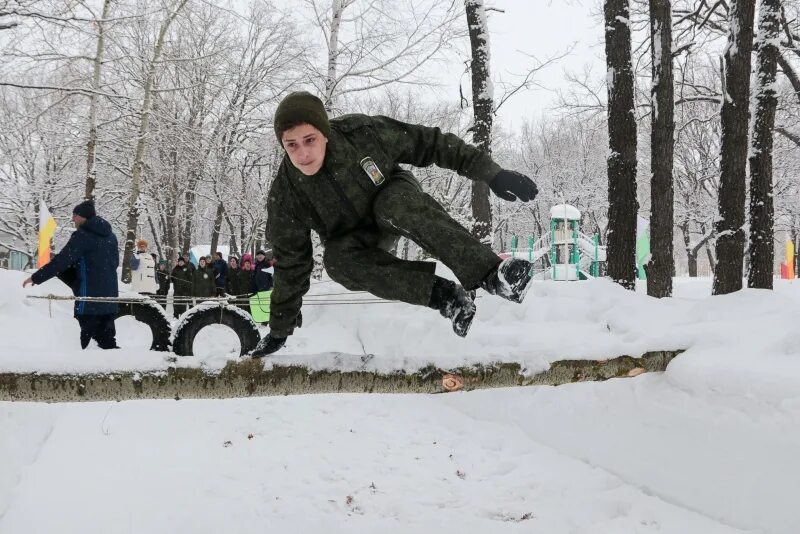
(584,320)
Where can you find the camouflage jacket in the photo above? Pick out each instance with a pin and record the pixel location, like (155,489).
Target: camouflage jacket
(338,199)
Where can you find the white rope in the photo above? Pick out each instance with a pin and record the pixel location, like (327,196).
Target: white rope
(222,301)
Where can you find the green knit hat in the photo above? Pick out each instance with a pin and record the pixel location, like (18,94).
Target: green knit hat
(300,107)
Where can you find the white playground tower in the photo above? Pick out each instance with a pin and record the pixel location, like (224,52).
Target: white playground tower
(573,255)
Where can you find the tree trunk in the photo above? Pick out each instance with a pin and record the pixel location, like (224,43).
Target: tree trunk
(734,122)
(172,209)
(691,261)
(91,144)
(622,203)
(233,248)
(662,264)
(333,53)
(141,145)
(691,255)
(712,262)
(217,227)
(190,195)
(483,105)
(156,240)
(762,250)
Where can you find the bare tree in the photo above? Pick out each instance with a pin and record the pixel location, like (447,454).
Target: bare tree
(622,203)
(134,206)
(734,120)
(762,214)
(97,69)
(377,43)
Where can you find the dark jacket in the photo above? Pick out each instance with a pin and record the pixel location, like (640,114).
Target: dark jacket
(262,277)
(232,281)
(339,198)
(88,264)
(162,277)
(203,282)
(244,282)
(220,273)
(182,280)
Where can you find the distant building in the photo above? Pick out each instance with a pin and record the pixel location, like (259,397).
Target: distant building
(12,259)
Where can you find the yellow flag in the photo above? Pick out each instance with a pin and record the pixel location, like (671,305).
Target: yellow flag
(47,227)
(790,274)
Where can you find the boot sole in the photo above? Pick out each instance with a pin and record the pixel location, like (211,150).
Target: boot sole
(520,295)
(525,290)
(463,330)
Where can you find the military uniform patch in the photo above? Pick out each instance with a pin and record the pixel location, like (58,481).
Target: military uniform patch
(372,170)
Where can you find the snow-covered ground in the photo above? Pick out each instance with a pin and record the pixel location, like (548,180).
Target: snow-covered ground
(710,446)
(641,455)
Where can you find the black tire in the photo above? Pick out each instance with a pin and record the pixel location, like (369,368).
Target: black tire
(200,317)
(151,314)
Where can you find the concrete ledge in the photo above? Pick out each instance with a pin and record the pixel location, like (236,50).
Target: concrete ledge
(249,378)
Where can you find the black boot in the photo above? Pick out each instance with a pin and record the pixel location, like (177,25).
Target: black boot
(511,279)
(267,346)
(453,302)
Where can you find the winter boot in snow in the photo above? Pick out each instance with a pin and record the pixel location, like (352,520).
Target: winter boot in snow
(453,302)
(511,279)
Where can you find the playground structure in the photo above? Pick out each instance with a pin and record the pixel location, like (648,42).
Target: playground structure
(572,254)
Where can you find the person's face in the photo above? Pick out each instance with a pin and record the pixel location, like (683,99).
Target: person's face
(305,146)
(246,266)
(260,258)
(77,220)
(232,263)
(202,262)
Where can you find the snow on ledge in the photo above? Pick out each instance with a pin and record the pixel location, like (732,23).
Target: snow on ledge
(565,211)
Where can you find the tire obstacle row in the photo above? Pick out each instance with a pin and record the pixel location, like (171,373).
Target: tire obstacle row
(221,310)
(150,313)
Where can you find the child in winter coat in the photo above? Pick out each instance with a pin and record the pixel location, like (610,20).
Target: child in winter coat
(246,280)
(220,273)
(203,280)
(162,276)
(247,258)
(232,278)
(182,285)
(262,278)
(143,270)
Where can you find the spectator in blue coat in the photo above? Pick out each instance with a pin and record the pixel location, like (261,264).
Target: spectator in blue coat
(88,264)
(220,273)
(263,274)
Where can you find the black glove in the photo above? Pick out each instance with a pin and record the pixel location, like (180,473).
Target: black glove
(267,346)
(511,185)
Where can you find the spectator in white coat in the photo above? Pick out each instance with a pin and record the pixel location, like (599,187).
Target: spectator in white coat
(143,270)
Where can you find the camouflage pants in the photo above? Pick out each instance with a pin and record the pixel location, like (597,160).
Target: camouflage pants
(356,261)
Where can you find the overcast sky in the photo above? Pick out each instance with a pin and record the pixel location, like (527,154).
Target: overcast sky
(543,28)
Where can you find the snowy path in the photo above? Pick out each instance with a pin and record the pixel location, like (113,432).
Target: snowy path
(347,463)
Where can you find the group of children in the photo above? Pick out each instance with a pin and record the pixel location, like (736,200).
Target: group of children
(214,277)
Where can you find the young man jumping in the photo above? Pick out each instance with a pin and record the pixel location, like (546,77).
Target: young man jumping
(342,179)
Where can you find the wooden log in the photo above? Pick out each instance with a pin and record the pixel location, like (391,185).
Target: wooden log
(248,378)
